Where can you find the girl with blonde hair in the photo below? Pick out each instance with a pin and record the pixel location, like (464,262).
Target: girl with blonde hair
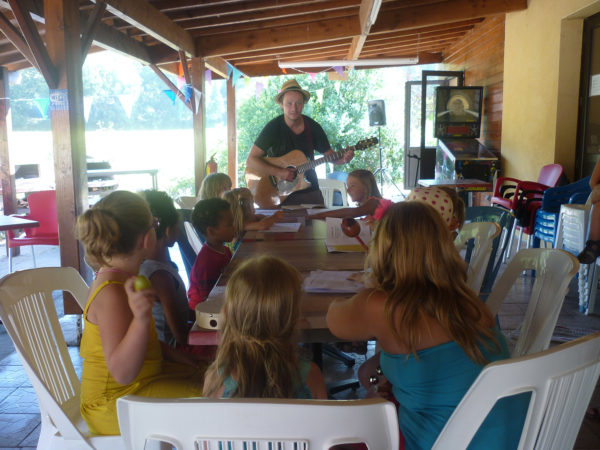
(435,333)
(258,352)
(214,185)
(244,214)
(362,189)
(119,346)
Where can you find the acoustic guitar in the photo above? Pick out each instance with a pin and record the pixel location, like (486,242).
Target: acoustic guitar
(269,191)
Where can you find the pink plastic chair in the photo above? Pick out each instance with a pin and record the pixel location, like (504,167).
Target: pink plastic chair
(42,208)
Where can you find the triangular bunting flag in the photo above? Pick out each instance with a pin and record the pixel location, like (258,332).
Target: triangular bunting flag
(127,101)
(169,93)
(42,106)
(259,88)
(312,75)
(180,82)
(208,76)
(187,90)
(339,70)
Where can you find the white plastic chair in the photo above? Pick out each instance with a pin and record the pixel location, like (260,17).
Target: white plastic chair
(562,379)
(258,424)
(192,236)
(27,311)
(328,187)
(554,270)
(483,234)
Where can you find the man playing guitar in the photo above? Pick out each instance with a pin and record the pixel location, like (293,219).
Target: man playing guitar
(287,132)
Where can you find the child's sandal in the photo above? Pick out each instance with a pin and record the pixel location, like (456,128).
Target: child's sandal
(589,254)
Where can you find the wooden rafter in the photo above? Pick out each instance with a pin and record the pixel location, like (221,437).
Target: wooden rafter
(393,17)
(91,27)
(217,64)
(144,16)
(321,31)
(186,75)
(14,36)
(34,41)
(109,38)
(366,17)
(171,86)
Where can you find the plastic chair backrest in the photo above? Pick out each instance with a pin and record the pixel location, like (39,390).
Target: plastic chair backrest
(550,174)
(559,195)
(257,423)
(328,187)
(506,220)
(562,379)
(483,235)
(192,236)
(186,201)
(337,175)
(554,270)
(42,207)
(28,312)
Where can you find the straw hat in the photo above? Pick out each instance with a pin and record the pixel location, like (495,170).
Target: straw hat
(435,197)
(291,85)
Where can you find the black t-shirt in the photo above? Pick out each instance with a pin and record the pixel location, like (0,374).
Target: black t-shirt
(277,139)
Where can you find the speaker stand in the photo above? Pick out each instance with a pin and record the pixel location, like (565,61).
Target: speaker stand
(382,172)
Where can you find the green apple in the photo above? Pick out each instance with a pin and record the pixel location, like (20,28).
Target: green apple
(141,282)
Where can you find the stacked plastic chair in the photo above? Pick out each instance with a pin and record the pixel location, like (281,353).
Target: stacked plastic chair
(546,219)
(523,198)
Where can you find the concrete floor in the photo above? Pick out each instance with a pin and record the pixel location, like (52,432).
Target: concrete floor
(19,411)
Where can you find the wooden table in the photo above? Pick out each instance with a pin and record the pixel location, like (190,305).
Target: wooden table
(307,252)
(14,223)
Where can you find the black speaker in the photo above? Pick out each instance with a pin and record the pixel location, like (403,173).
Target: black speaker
(376,113)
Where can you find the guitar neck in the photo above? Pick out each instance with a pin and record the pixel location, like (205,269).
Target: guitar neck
(332,157)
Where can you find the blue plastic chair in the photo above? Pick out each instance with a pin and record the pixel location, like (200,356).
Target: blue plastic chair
(546,219)
(503,218)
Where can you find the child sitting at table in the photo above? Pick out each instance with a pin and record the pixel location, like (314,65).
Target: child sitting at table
(171,313)
(436,335)
(258,353)
(214,185)
(119,346)
(213,218)
(362,189)
(244,215)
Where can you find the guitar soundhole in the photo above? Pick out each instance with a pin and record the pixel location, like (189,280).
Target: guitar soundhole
(294,169)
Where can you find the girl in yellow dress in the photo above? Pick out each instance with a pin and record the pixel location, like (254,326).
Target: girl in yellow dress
(120,348)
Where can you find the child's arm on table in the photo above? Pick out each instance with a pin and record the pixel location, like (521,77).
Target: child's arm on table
(123,319)
(263,222)
(366,209)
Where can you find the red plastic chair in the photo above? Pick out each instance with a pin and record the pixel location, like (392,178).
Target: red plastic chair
(524,198)
(42,207)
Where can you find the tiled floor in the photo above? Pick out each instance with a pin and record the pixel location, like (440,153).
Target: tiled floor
(19,412)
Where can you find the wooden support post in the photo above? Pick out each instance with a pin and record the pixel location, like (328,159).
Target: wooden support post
(199,123)
(7,180)
(231,133)
(68,131)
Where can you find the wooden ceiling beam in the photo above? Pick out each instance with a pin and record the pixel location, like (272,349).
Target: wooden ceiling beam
(423,31)
(143,15)
(383,42)
(342,47)
(34,41)
(17,40)
(268,14)
(233,43)
(108,38)
(395,17)
(217,64)
(91,27)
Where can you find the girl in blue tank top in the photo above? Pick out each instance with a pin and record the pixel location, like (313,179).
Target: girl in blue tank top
(436,335)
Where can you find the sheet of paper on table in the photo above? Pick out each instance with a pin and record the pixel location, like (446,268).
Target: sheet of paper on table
(337,241)
(283,227)
(334,281)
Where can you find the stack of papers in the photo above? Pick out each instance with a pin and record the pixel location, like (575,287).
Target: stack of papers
(334,281)
(337,241)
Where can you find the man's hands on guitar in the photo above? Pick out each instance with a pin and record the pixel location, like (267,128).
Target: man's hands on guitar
(286,174)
